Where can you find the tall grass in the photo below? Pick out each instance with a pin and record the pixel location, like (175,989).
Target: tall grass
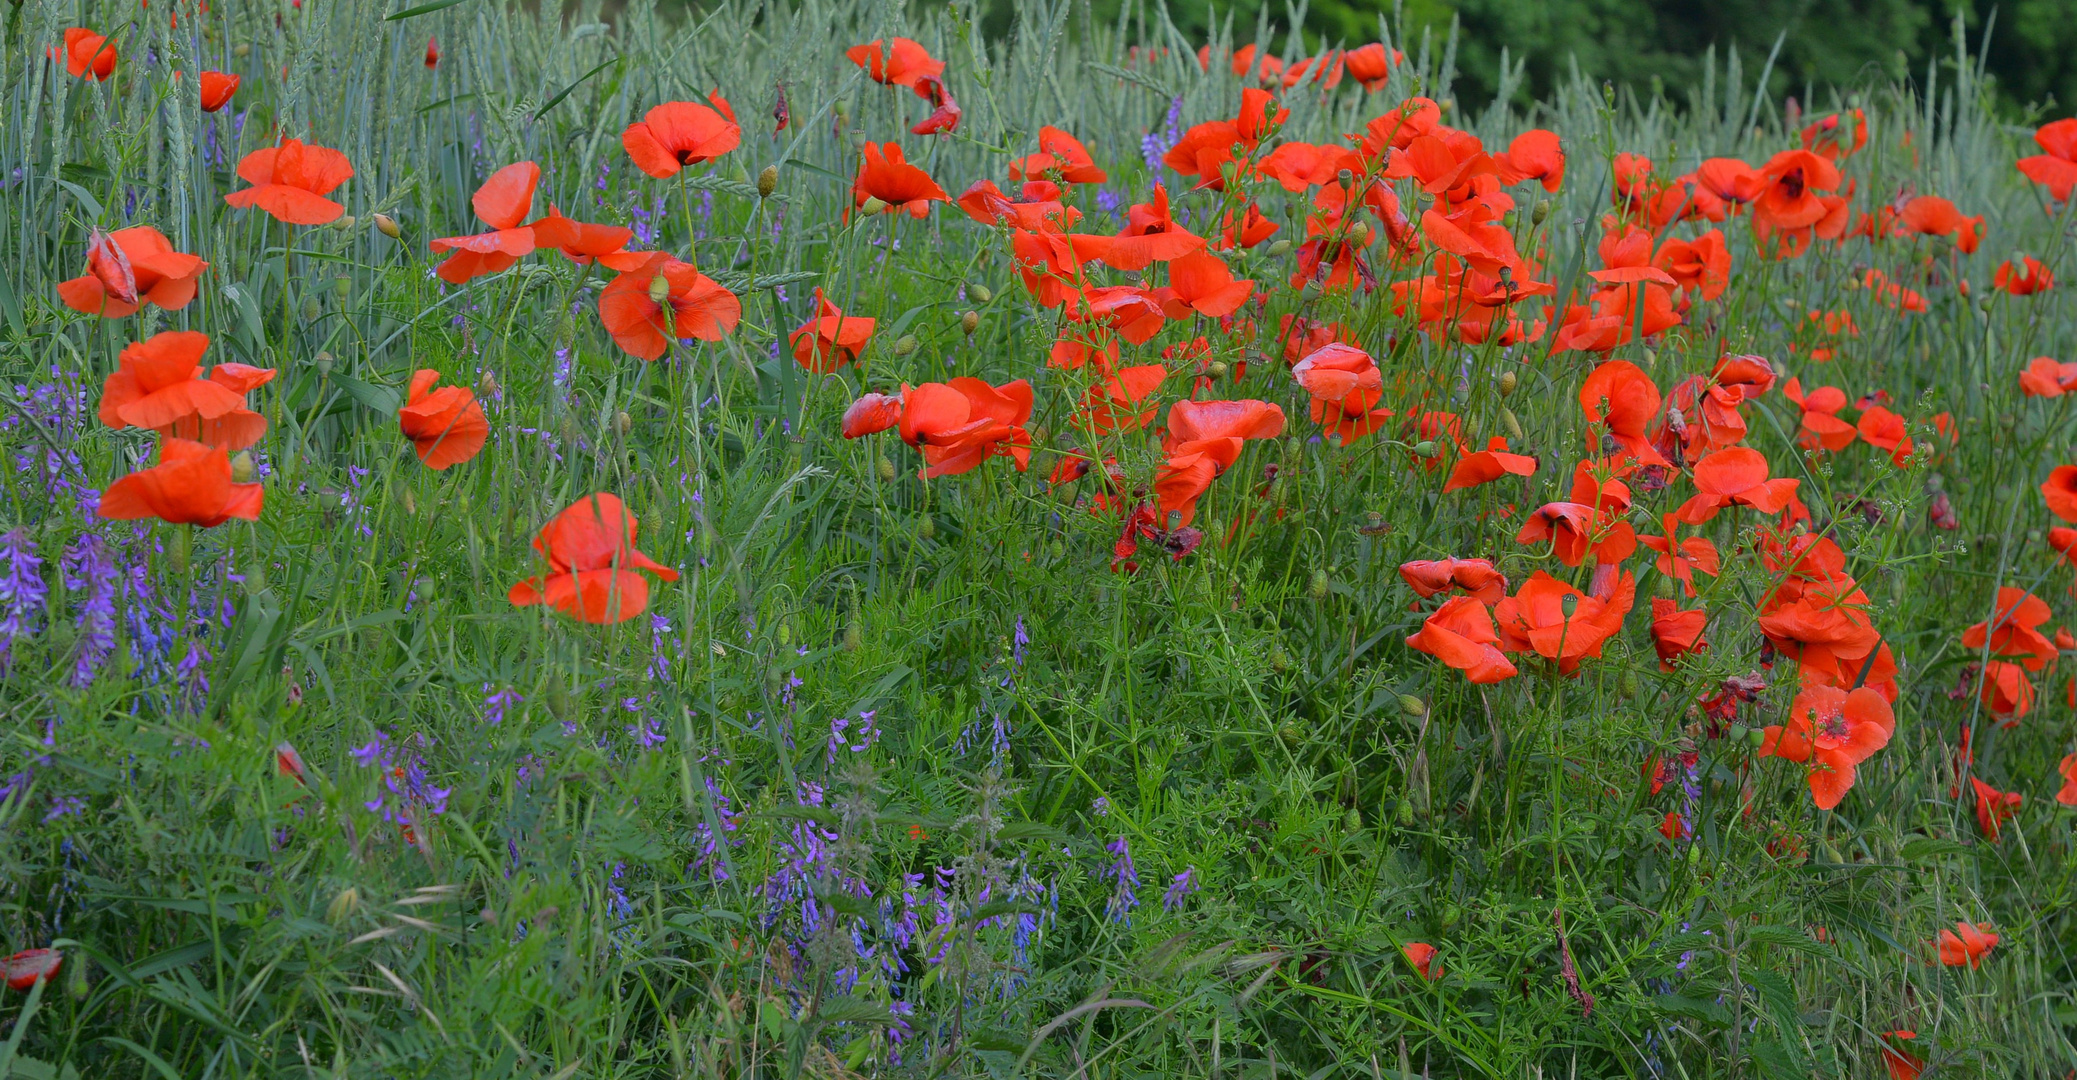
(1076,821)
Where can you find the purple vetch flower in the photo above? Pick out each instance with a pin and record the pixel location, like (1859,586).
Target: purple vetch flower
(192,675)
(406,788)
(704,839)
(1125,881)
(1100,806)
(64,806)
(838,740)
(23,592)
(1153,147)
(496,702)
(1108,201)
(647,733)
(662,647)
(617,903)
(88,568)
(1179,889)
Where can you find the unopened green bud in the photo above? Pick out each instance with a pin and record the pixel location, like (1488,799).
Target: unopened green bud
(873,205)
(1542,211)
(387,226)
(1321,585)
(1508,381)
(885,470)
(1513,425)
(981,293)
(767,181)
(1280,249)
(343,905)
(905,345)
(242,467)
(1412,705)
(927,528)
(970,322)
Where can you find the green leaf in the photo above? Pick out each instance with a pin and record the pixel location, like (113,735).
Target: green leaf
(422,9)
(568,90)
(381,399)
(92,205)
(1031,830)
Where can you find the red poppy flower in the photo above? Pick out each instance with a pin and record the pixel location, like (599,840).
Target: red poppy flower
(872,413)
(30,966)
(1036,208)
(1206,149)
(1535,619)
(1966,944)
(1460,634)
(502,203)
(432,53)
(1788,198)
(1681,559)
(1200,282)
(2056,169)
(1735,476)
(903,64)
(1478,578)
(831,339)
(1885,430)
(691,306)
(1060,157)
(289,763)
(1150,235)
(1252,230)
(1120,402)
(1676,633)
(158,384)
(1831,731)
(1488,465)
(2067,768)
(2013,630)
(1824,627)
(1892,294)
(446,426)
(884,174)
(1838,135)
(1931,215)
(964,422)
(1533,155)
(191,485)
(1422,956)
(592,560)
(290,182)
(1821,428)
(1994,807)
(217,88)
(127,269)
(2007,692)
(1204,439)
(679,133)
(1576,530)
(1901,1065)
(1345,386)
(2059,491)
(2025,279)
(1701,266)
(584,243)
(1622,397)
(1372,65)
(86,54)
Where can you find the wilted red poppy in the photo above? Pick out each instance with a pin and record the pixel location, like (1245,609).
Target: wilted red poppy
(964,422)
(643,318)
(1536,619)
(944,112)
(191,485)
(158,384)
(1994,807)
(1488,465)
(1621,396)
(217,89)
(592,560)
(129,268)
(2056,169)
(1966,944)
(902,65)
(290,182)
(871,413)
(2059,491)
(432,53)
(30,966)
(1676,633)
(86,54)
(1461,634)
(289,763)
(1831,731)
(679,133)
(1735,476)
(446,426)
(1060,157)
(1535,154)
(885,174)
(831,339)
(502,203)
(1478,578)
(2025,279)
(1345,385)
(1422,956)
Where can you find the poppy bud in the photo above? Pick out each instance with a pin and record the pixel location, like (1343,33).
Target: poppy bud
(980,293)
(487,386)
(905,345)
(1406,811)
(854,627)
(2008,421)
(872,205)
(76,980)
(342,905)
(1217,369)
(624,422)
(1321,586)
(345,223)
(885,470)
(1426,448)
(1289,733)
(659,287)
(311,308)
(1041,433)
(1359,234)
(1630,685)
(1446,105)
(1542,211)
(1280,249)
(177,551)
(1353,822)
(242,467)
(1508,421)
(970,322)
(767,181)
(1651,357)
(1412,706)
(927,528)
(1279,660)
(387,226)
(1508,381)
(241,50)
(410,502)
(1510,219)
(1935,482)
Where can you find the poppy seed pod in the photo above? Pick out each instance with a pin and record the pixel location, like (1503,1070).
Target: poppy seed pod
(980,293)
(242,467)
(343,905)
(1426,448)
(767,181)
(323,360)
(1508,382)
(970,322)
(387,226)
(905,345)
(1756,737)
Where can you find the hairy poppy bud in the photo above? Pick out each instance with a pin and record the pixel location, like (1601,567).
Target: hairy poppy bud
(970,322)
(410,503)
(1651,357)
(1406,811)
(1359,233)
(242,467)
(1217,369)
(76,979)
(624,422)
(854,627)
(1542,211)
(1446,105)
(659,287)
(905,345)
(1040,434)
(311,308)
(241,50)
(1935,482)
(1412,706)
(1508,381)
(343,905)
(885,470)
(1321,586)
(1426,448)
(1508,421)
(1289,733)
(345,223)
(1280,249)
(387,226)
(767,181)
(927,528)
(872,205)
(487,386)
(981,293)
(1630,685)
(1279,660)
